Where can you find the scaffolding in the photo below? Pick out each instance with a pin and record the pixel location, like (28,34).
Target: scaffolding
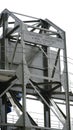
(33,67)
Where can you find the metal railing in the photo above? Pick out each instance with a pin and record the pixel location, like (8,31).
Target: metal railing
(38,118)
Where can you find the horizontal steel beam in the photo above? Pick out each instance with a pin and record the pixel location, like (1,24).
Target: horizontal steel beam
(43,39)
(61,96)
(42,128)
(30,91)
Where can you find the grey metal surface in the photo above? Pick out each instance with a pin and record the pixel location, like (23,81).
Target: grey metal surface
(30,64)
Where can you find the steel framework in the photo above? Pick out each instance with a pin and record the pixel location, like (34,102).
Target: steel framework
(33,61)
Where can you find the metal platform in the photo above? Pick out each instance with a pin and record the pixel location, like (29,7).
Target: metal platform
(33,62)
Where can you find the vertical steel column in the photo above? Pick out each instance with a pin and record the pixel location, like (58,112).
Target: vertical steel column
(3,61)
(68,127)
(45,73)
(46,109)
(23,79)
(1,114)
(3,44)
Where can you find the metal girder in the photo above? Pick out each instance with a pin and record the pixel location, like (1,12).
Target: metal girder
(58,110)
(6,86)
(6,11)
(61,96)
(15,49)
(40,127)
(10,32)
(13,103)
(53,72)
(62,121)
(13,95)
(33,51)
(42,39)
(54,25)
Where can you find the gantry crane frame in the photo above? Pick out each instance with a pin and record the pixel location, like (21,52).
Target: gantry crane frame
(38,36)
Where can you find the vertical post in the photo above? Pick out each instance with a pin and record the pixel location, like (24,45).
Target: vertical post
(23,77)
(66,88)
(46,109)
(0,109)
(45,73)
(3,64)
(4,39)
(3,45)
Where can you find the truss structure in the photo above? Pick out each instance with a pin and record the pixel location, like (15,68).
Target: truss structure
(33,61)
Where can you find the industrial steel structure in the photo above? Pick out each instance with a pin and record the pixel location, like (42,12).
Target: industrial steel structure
(33,65)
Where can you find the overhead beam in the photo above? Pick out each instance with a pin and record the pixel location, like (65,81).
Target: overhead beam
(61,96)
(43,39)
